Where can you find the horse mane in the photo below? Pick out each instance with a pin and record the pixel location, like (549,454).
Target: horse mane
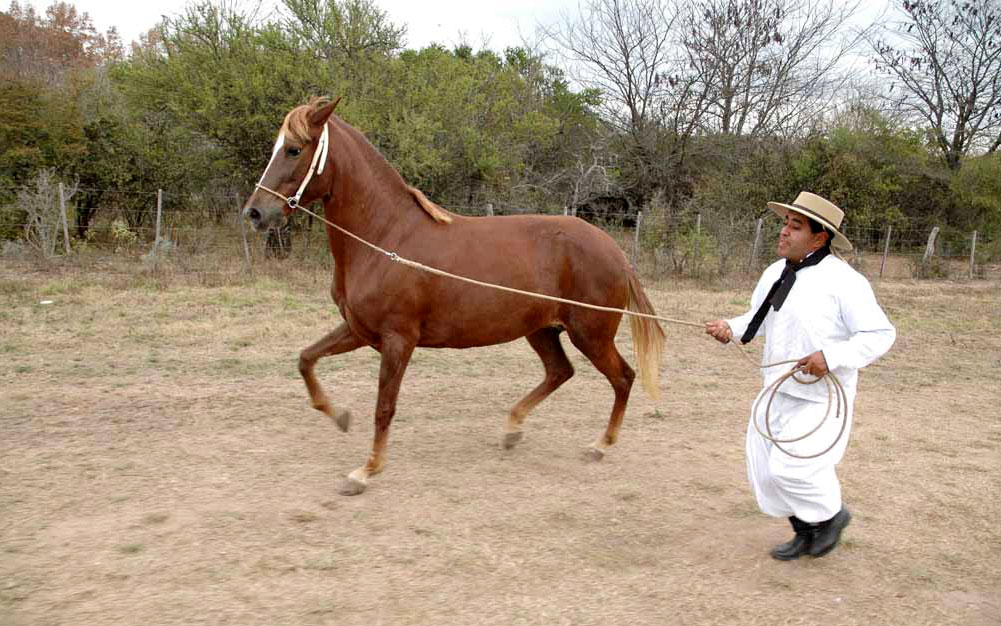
(296,129)
(439,214)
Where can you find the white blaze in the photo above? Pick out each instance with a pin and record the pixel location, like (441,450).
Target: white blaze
(274,152)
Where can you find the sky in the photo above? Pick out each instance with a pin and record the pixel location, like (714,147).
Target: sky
(499,24)
(493,24)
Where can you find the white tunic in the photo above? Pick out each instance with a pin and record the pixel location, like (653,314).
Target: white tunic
(830,308)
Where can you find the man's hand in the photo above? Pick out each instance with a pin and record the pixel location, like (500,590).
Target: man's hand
(720,331)
(815,364)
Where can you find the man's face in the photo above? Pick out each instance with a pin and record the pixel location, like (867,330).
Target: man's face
(795,240)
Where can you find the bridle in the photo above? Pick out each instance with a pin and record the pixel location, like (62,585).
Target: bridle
(319,159)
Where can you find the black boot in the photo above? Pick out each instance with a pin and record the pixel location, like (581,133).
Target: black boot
(827,534)
(798,546)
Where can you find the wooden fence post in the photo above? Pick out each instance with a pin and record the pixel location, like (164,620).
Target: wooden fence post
(62,209)
(755,244)
(930,247)
(698,236)
(159,211)
(973,252)
(886,250)
(243,231)
(490,208)
(636,235)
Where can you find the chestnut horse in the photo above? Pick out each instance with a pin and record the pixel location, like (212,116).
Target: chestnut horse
(394,308)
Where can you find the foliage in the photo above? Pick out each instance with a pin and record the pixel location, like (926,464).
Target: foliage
(976,190)
(707,113)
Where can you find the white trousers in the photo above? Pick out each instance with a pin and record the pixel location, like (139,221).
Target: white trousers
(784,485)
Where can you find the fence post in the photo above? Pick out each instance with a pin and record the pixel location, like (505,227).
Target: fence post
(490,208)
(156,240)
(243,231)
(564,211)
(886,250)
(698,235)
(636,235)
(930,247)
(757,242)
(62,209)
(973,252)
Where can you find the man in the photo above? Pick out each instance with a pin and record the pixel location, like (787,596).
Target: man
(812,308)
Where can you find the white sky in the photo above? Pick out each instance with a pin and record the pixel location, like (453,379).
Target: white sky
(494,24)
(500,23)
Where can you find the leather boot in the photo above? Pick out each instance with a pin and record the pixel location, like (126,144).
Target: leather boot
(798,545)
(825,535)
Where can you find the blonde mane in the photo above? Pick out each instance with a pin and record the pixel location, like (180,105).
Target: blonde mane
(437,213)
(295,127)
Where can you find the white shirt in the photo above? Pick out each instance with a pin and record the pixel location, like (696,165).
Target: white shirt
(831,308)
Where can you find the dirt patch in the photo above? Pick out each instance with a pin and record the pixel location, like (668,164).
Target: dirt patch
(159,465)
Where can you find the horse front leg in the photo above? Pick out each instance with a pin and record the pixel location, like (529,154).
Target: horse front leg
(396,351)
(339,341)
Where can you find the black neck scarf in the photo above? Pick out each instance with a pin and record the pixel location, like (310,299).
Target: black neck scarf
(777,294)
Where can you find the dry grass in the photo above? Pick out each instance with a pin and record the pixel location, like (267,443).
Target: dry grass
(159,465)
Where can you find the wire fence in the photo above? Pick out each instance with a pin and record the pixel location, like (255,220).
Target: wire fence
(204,232)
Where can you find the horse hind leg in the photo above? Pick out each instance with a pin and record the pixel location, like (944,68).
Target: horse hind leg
(545,342)
(338,341)
(599,348)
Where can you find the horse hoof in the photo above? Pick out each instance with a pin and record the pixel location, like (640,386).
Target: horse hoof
(594,454)
(512,439)
(351,487)
(342,418)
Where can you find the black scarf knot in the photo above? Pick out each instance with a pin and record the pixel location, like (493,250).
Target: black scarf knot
(780,290)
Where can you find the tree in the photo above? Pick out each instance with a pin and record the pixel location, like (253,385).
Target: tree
(221,74)
(623,49)
(944,57)
(343,31)
(768,66)
(46,50)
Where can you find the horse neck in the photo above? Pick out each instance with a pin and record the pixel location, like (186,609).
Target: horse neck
(369,198)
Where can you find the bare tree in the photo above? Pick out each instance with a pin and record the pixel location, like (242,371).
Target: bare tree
(625,50)
(945,59)
(619,47)
(43,217)
(768,66)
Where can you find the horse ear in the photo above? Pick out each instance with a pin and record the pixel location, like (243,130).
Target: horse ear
(320,116)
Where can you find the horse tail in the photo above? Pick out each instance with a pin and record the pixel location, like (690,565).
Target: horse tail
(648,337)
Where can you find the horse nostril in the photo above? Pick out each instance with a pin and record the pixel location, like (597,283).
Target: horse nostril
(254,215)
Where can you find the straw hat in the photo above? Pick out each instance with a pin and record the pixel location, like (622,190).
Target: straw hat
(819,210)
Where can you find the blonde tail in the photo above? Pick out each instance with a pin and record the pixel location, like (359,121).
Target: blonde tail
(648,337)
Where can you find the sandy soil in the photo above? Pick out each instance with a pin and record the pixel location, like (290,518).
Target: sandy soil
(159,465)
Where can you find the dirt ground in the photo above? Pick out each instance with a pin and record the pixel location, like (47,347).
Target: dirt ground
(159,465)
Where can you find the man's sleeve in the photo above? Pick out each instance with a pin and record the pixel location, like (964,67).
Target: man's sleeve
(871,332)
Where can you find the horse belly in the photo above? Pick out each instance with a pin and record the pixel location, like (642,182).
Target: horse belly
(471,327)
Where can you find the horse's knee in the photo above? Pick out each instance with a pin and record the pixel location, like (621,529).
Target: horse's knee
(629,373)
(305,363)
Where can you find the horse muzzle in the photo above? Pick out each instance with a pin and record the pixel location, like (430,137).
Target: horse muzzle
(263,219)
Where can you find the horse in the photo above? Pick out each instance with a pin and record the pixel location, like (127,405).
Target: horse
(394,308)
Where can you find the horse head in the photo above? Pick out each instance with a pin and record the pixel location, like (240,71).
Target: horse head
(292,176)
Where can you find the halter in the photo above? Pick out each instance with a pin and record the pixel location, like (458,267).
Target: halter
(319,159)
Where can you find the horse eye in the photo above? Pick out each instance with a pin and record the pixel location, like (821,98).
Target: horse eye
(293,152)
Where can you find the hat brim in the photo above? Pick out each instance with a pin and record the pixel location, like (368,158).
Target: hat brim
(840,241)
